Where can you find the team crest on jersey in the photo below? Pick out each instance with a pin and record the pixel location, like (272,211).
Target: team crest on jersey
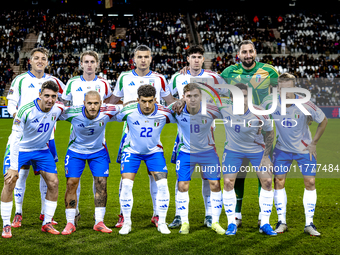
(17,122)
(152,82)
(10,92)
(66,170)
(156,124)
(54,116)
(101,123)
(98,88)
(296,115)
(258,78)
(204,121)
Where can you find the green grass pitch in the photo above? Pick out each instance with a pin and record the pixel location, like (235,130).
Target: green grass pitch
(145,238)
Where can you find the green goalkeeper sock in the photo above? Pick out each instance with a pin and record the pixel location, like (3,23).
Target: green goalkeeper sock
(239,190)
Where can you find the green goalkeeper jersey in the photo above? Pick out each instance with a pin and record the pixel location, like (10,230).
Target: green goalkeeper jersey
(258,78)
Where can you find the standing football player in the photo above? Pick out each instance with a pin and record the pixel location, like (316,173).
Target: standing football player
(294,142)
(126,88)
(196,146)
(145,121)
(32,128)
(24,89)
(78,86)
(177,83)
(243,142)
(86,144)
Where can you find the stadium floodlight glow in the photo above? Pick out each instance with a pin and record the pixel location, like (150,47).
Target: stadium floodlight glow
(128,15)
(99,14)
(110,15)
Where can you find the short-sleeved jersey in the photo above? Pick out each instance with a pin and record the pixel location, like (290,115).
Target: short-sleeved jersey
(77,87)
(88,135)
(292,131)
(144,130)
(26,87)
(194,131)
(241,130)
(258,78)
(178,81)
(129,82)
(32,129)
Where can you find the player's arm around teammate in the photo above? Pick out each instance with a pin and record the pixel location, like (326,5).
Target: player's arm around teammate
(86,144)
(32,128)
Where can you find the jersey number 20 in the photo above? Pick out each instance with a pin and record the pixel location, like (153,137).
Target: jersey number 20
(43,128)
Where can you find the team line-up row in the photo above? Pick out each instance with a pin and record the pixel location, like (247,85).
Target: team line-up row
(144,120)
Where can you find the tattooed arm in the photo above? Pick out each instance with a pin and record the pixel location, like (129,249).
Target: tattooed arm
(268,140)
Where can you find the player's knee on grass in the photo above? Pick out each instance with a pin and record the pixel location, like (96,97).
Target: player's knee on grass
(279,182)
(266,183)
(52,183)
(7,191)
(229,183)
(72,184)
(215,185)
(183,186)
(309,182)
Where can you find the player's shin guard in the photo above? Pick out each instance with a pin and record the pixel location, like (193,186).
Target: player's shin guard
(182,205)
(78,195)
(49,210)
(126,199)
(280,200)
(216,205)
(19,190)
(43,191)
(239,190)
(153,192)
(99,213)
(70,215)
(229,201)
(176,198)
(163,198)
(206,196)
(266,205)
(309,202)
(6,212)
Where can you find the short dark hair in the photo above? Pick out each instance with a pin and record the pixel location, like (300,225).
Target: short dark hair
(195,49)
(241,86)
(142,47)
(146,91)
(245,42)
(285,77)
(191,87)
(50,85)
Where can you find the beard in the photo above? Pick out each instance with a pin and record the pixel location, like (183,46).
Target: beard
(248,64)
